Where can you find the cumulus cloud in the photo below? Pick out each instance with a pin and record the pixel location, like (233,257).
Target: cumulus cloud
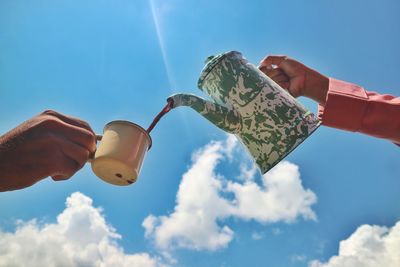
(280,198)
(80,237)
(368,246)
(206,198)
(193,224)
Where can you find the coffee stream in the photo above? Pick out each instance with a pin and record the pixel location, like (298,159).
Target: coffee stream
(164,111)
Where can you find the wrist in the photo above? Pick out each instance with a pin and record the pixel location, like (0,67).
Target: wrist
(317,87)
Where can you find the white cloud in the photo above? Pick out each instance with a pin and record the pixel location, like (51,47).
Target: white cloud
(247,173)
(193,224)
(368,246)
(280,198)
(205,198)
(80,237)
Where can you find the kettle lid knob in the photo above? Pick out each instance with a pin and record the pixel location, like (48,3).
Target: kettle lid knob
(208,59)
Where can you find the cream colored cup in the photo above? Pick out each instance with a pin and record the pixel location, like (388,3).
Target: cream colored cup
(121,152)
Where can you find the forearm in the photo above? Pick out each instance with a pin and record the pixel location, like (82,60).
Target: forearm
(12,168)
(7,171)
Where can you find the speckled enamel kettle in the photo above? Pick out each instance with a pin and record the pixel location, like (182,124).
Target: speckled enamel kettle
(247,103)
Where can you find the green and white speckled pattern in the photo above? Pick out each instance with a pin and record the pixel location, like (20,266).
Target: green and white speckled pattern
(265,118)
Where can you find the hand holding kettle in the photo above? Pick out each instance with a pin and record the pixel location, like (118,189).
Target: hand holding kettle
(295,77)
(342,105)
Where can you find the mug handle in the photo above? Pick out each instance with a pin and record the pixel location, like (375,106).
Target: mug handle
(98,138)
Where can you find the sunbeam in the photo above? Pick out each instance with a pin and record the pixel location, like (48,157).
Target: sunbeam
(161,44)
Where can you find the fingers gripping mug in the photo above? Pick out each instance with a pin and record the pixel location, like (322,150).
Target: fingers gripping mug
(121,152)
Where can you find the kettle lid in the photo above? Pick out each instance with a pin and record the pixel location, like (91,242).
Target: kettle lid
(211,62)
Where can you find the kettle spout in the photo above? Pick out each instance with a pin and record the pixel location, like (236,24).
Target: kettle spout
(225,118)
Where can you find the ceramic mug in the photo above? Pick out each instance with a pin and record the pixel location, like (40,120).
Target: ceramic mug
(120,154)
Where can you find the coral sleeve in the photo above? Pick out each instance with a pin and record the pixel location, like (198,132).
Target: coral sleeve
(350,107)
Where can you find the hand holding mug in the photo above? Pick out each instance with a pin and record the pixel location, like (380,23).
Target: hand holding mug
(49,144)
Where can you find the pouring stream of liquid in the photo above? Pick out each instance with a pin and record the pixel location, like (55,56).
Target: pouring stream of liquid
(164,111)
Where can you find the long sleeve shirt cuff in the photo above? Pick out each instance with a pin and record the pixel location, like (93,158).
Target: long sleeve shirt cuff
(344,107)
(350,107)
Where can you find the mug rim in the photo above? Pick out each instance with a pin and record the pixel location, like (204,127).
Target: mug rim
(132,124)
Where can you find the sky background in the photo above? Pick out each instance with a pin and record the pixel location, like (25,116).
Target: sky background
(102,60)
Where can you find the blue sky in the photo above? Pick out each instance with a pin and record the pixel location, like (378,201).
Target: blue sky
(105,60)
